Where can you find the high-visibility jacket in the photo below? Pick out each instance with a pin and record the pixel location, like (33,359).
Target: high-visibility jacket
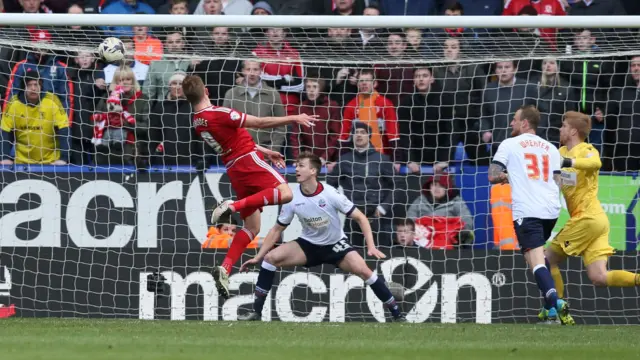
(217,240)
(504,235)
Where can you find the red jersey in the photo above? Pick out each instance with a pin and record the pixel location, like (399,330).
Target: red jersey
(543,7)
(222,129)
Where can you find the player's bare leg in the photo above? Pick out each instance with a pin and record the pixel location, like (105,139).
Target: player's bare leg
(275,196)
(354,263)
(537,263)
(240,242)
(286,255)
(599,276)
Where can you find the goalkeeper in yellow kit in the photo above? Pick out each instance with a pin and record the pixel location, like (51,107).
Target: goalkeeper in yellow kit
(586,233)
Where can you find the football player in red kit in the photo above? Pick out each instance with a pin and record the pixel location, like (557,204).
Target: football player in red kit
(255,182)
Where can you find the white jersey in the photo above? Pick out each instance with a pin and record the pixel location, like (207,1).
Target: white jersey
(531,163)
(318,213)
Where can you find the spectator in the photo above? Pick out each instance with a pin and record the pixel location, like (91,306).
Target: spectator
(525,42)
(440,198)
(255,98)
(395,77)
(592,78)
(347,7)
(120,7)
(75,34)
(51,69)
(342,80)
(147,47)
(542,8)
(481,7)
(172,140)
(298,7)
(279,71)
(156,85)
(367,38)
(32,6)
(177,7)
(409,7)
(405,230)
(221,73)
(367,178)
(36,124)
(501,100)
(227,7)
(465,83)
(435,37)
(262,8)
(121,122)
(625,108)
(322,139)
(425,123)
(373,110)
(413,37)
(139,69)
(555,98)
(90,87)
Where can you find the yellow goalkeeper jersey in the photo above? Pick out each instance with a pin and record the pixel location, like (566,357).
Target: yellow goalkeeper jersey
(580,183)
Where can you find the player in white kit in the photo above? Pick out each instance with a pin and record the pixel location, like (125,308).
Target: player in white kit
(322,241)
(532,165)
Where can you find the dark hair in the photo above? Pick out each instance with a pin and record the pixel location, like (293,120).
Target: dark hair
(531,114)
(367,72)
(373,5)
(193,89)
(173,3)
(456,7)
(404,222)
(314,160)
(528,10)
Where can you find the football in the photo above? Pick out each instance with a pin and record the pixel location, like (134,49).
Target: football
(111,50)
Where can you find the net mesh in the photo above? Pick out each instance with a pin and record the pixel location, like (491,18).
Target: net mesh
(87,239)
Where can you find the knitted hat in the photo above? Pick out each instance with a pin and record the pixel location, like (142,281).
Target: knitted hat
(178,76)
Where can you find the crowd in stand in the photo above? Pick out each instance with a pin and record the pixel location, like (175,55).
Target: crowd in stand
(399,110)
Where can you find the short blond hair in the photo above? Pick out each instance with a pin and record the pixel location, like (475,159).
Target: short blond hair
(580,122)
(124,72)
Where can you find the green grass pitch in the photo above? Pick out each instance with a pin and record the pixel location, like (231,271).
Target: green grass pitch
(155,340)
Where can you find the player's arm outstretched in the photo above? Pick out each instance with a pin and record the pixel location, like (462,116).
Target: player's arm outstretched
(255,122)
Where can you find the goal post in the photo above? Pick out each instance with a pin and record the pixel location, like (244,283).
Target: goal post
(437,94)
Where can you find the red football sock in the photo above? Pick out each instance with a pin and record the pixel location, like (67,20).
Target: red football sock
(263,198)
(240,242)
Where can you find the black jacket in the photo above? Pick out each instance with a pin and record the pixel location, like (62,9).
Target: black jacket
(170,125)
(553,102)
(425,123)
(367,179)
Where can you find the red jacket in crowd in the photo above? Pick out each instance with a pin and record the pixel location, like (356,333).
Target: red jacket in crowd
(277,72)
(543,7)
(322,139)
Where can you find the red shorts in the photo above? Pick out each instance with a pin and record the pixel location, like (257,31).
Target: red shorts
(250,174)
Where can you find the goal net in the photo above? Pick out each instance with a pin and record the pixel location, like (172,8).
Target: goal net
(114,221)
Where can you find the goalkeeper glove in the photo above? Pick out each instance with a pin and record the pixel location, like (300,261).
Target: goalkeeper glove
(567,163)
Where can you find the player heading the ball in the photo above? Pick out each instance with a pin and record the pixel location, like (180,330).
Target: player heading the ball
(586,233)
(255,182)
(322,241)
(531,165)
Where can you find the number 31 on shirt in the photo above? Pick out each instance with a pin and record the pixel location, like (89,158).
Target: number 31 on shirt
(537,165)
